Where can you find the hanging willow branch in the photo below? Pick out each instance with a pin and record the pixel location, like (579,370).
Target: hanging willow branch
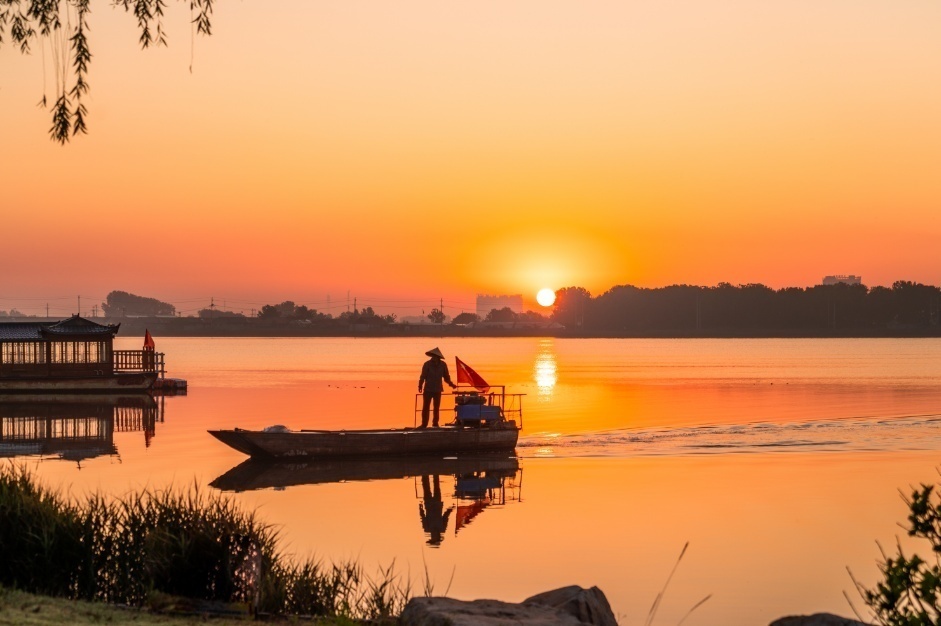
(62,25)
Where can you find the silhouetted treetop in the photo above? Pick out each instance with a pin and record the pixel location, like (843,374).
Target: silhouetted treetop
(505,314)
(121,303)
(570,306)
(465,318)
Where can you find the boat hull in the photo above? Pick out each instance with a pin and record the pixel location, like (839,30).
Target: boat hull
(95,384)
(379,443)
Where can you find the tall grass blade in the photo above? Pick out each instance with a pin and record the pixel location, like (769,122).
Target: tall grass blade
(694,607)
(656,603)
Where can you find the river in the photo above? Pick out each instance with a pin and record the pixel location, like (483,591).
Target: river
(778,460)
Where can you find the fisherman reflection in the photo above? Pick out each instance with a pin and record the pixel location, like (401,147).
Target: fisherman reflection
(434,519)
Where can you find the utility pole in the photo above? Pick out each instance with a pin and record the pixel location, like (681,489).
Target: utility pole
(47,310)
(79,305)
(441,309)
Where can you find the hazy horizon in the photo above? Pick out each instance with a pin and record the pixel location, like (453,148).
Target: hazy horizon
(398,304)
(416,148)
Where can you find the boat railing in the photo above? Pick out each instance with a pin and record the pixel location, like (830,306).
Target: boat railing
(139,361)
(510,404)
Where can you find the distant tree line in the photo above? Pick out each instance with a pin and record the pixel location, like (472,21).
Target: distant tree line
(508,315)
(625,309)
(752,307)
(288,312)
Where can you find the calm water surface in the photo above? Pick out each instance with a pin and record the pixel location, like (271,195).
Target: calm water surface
(778,460)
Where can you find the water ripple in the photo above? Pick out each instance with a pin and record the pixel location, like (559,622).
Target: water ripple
(914,432)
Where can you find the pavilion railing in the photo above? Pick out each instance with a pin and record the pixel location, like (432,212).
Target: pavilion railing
(138,361)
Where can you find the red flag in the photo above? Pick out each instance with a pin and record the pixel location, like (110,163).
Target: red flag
(465,513)
(468,376)
(148,340)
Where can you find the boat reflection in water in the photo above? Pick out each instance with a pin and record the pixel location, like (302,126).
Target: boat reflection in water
(73,427)
(479,482)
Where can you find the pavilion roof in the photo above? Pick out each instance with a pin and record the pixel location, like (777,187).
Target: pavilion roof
(74,326)
(20,331)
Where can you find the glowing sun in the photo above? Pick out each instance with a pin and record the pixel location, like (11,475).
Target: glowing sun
(545,297)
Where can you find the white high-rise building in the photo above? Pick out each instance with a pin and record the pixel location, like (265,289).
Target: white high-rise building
(849,279)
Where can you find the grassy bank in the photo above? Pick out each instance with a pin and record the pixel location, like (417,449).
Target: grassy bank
(178,543)
(21,608)
(18,608)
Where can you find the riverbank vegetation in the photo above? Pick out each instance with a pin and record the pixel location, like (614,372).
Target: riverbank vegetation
(182,543)
(909,593)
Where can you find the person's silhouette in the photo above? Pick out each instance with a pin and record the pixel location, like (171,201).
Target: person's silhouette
(434,519)
(434,373)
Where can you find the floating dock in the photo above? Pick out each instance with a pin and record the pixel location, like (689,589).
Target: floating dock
(170,386)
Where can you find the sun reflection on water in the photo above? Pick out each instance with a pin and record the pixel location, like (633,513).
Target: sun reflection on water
(545,371)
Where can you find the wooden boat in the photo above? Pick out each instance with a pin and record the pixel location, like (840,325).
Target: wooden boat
(275,444)
(72,355)
(481,424)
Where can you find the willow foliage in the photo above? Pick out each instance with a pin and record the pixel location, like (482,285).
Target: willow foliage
(60,28)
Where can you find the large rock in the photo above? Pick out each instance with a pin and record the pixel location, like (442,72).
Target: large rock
(817,619)
(449,612)
(590,606)
(569,606)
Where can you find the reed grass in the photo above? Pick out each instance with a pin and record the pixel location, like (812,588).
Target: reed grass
(656,603)
(41,537)
(179,542)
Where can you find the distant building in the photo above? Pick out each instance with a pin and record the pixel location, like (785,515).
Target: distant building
(487,303)
(841,278)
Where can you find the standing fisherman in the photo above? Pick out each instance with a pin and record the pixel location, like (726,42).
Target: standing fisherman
(430,386)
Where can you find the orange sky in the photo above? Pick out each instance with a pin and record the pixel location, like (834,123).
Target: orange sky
(416,150)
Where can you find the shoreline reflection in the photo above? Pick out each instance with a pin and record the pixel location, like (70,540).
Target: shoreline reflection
(434,519)
(74,427)
(480,482)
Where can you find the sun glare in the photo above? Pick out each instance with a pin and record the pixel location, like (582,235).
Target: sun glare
(545,297)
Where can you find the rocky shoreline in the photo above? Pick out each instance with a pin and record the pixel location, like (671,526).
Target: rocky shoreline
(567,606)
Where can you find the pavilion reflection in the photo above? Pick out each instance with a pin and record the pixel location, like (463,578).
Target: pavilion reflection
(478,481)
(74,427)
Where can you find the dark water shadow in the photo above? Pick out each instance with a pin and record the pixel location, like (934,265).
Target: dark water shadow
(254,474)
(479,482)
